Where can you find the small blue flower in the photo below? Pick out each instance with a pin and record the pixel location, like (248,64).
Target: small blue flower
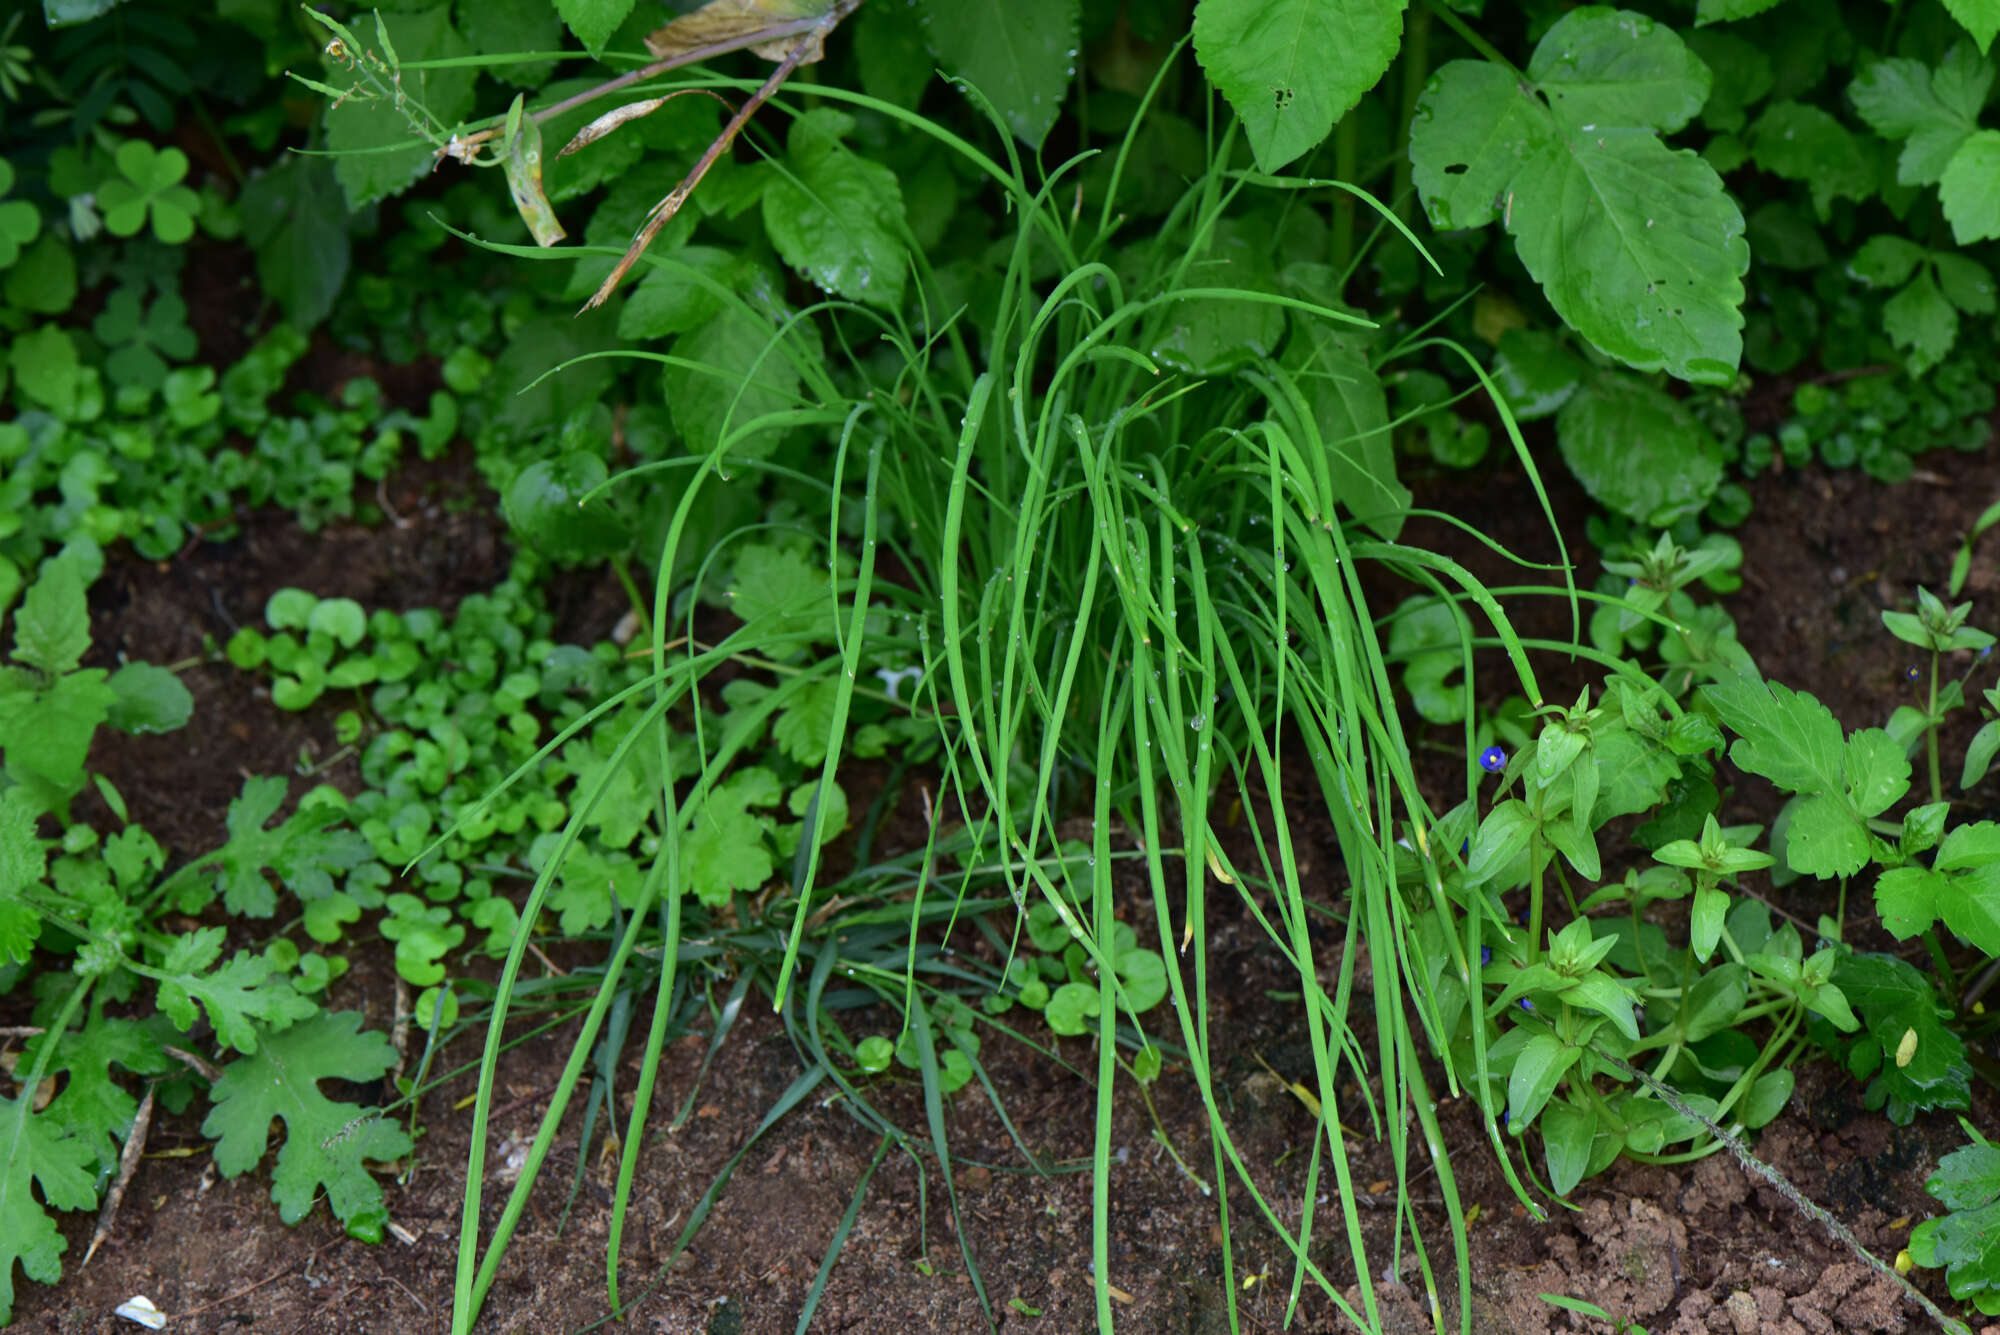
(1912,673)
(1493,760)
(1485,956)
(1986,651)
(1526,1004)
(1503,1118)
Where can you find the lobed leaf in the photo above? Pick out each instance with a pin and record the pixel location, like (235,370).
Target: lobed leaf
(327,1144)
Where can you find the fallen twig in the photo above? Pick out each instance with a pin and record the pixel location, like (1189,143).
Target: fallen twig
(1805,1204)
(128,1164)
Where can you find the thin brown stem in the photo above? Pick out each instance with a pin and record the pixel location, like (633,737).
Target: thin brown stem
(775,33)
(810,44)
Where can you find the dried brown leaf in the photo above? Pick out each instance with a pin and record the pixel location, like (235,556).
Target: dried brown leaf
(722,22)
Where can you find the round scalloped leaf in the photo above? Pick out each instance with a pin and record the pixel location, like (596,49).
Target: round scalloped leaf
(342,618)
(1638,451)
(290,609)
(545,505)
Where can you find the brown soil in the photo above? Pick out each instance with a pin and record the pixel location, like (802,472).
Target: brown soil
(1691,1249)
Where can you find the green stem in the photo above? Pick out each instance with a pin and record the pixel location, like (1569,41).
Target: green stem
(1939,962)
(1416,72)
(1638,951)
(639,605)
(1346,165)
(1471,38)
(1535,895)
(1931,733)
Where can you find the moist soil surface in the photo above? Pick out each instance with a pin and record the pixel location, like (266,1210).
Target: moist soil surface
(1700,1247)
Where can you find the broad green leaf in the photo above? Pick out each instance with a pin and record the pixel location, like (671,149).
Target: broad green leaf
(1144,976)
(39,1154)
(734,369)
(52,625)
(1965,282)
(1502,837)
(1981,18)
(1215,336)
(1803,143)
(1637,450)
(1979,754)
(1785,735)
(1714,1001)
(508,27)
(1706,920)
(23,862)
(547,397)
(1637,246)
(1427,637)
(1921,323)
(1967,1178)
(241,997)
(1902,99)
(1877,770)
(1071,1008)
(1887,260)
(45,729)
(836,216)
(1970,189)
(1632,774)
(672,298)
(327,1145)
(1599,991)
(1276,62)
(1535,372)
(44,280)
(1971,908)
(358,132)
(1824,838)
(1019,54)
(889,51)
(1351,411)
(1767,1098)
(92,1104)
(1566,1136)
(1970,846)
(781,592)
(1894,998)
(1743,76)
(46,368)
(303,851)
(1728,11)
(341,618)
(545,504)
(148,699)
(725,847)
(1906,898)
(1543,1061)
(295,219)
(593,21)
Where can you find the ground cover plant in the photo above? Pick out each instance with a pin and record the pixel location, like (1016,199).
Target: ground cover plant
(1041,437)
